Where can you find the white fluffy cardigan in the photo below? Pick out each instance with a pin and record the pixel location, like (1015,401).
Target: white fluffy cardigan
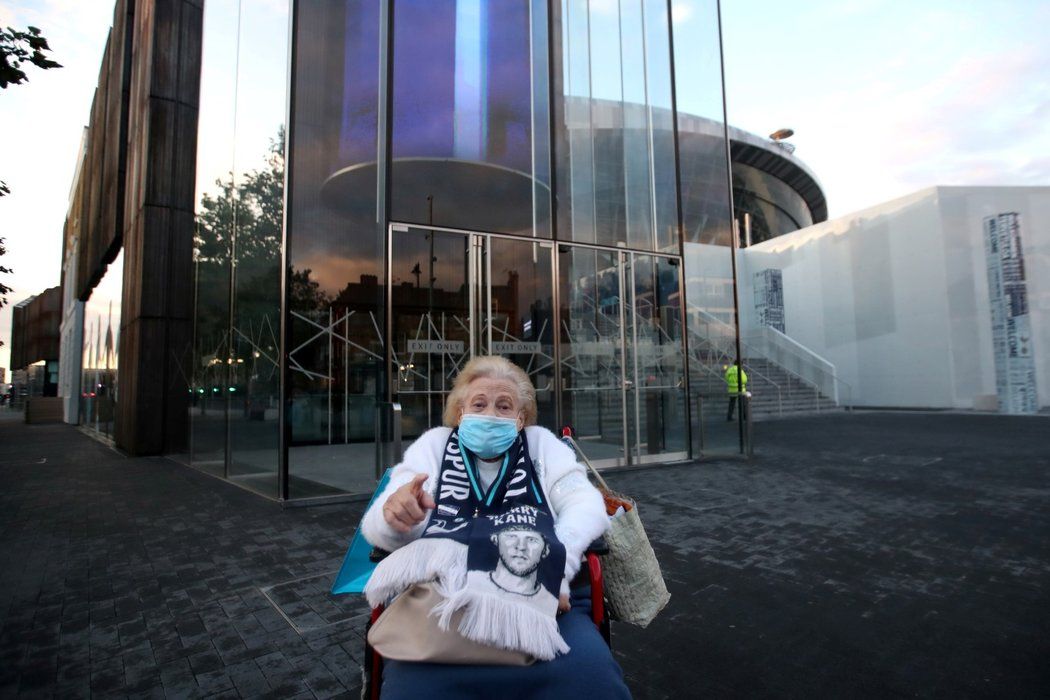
(578,509)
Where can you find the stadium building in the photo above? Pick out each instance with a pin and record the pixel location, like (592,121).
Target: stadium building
(292,223)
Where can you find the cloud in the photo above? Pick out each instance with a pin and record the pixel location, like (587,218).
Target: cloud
(885,99)
(971,124)
(605,7)
(682,11)
(1036,170)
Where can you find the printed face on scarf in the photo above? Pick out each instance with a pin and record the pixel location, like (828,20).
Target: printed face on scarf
(521,550)
(493,397)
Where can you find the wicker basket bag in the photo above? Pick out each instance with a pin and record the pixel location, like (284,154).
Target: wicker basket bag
(633,582)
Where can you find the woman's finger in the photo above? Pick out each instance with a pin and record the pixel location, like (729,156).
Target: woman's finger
(420,494)
(416,485)
(410,507)
(403,519)
(390,516)
(427,501)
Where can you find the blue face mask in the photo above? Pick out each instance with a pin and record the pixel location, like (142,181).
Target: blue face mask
(487,436)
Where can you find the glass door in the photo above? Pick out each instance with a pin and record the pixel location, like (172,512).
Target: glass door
(518,311)
(458,294)
(433,297)
(593,335)
(657,359)
(623,388)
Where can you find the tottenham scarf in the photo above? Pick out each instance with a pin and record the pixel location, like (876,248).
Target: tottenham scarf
(493,553)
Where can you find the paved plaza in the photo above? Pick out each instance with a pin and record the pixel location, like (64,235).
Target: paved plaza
(858,555)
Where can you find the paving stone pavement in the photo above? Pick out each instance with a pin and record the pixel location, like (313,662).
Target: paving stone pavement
(861,555)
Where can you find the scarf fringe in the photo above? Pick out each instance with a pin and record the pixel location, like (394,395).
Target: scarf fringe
(490,620)
(426,559)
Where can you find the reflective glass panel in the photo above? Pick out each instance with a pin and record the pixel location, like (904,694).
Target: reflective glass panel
(253,361)
(707,225)
(234,375)
(216,204)
(658,415)
(573,125)
(518,284)
(458,294)
(592,354)
(334,290)
(98,376)
(467,100)
(433,278)
(661,126)
(613,122)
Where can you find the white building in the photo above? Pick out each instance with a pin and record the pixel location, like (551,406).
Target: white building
(940,299)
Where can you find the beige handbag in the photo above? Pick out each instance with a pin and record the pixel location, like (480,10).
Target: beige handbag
(406,631)
(633,583)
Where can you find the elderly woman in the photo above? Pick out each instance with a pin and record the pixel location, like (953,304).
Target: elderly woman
(496,513)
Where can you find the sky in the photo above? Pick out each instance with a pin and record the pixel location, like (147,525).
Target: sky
(885,96)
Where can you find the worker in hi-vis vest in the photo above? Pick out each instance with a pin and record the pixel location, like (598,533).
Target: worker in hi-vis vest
(736,386)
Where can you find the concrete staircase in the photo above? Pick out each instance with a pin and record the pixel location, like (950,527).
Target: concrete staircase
(776,392)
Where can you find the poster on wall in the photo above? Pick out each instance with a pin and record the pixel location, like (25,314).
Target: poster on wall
(1011,323)
(769,298)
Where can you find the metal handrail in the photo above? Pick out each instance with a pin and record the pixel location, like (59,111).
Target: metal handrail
(828,369)
(780,396)
(750,350)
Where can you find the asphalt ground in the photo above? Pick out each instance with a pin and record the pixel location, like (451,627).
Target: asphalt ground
(858,555)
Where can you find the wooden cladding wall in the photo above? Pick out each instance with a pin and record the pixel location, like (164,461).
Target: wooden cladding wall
(135,191)
(157,299)
(35,332)
(96,219)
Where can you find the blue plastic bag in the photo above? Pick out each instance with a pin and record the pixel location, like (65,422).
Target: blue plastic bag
(357,568)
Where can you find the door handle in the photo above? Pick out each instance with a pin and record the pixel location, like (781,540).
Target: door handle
(627,384)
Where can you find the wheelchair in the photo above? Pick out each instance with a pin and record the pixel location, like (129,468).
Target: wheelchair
(590,574)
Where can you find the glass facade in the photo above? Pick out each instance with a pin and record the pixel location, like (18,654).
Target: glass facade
(615,131)
(235,379)
(334,300)
(100,354)
(537,179)
(775,207)
(707,225)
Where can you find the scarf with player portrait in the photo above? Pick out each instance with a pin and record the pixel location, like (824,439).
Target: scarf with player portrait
(492,552)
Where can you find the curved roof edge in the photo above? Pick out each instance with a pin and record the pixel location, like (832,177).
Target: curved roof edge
(744,147)
(767,156)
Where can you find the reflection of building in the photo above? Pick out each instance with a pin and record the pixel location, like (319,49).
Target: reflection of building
(525,178)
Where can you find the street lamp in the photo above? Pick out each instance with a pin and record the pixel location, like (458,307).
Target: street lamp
(778,137)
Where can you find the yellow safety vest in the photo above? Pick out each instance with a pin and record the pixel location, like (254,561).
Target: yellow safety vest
(731,376)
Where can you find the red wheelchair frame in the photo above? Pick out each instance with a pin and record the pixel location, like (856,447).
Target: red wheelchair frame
(373,665)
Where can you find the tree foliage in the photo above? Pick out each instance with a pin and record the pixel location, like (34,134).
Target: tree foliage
(305,294)
(251,209)
(240,221)
(17,47)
